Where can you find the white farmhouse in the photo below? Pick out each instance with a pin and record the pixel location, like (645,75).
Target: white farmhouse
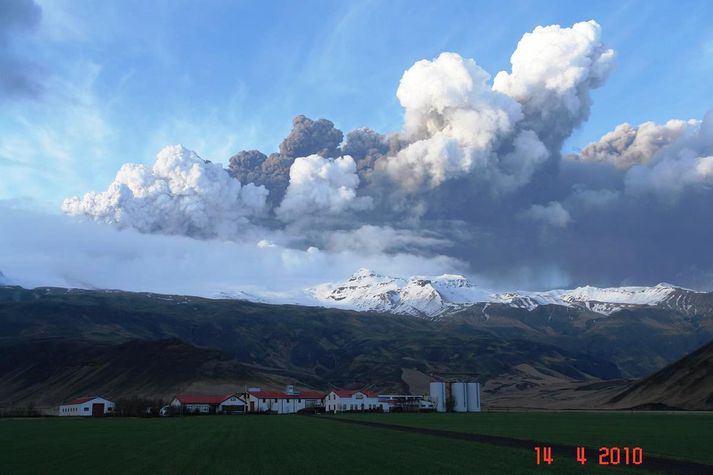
(282,403)
(200,404)
(87,406)
(345,400)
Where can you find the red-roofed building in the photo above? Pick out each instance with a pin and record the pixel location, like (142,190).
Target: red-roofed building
(208,404)
(342,400)
(87,406)
(282,403)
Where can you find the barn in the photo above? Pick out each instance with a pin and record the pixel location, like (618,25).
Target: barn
(88,406)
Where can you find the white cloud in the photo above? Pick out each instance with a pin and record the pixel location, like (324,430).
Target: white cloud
(321,185)
(553,71)
(453,122)
(49,250)
(181,194)
(456,124)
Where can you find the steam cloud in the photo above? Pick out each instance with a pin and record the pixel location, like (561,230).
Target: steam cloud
(180,194)
(321,185)
(476,169)
(627,146)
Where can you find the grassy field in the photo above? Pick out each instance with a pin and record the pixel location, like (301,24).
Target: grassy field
(252,444)
(685,436)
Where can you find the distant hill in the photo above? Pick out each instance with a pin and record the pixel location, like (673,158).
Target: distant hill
(685,384)
(46,372)
(58,343)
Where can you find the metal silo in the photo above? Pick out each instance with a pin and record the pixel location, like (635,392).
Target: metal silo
(438,396)
(473,390)
(460,397)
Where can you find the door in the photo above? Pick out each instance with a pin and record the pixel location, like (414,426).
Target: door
(97,410)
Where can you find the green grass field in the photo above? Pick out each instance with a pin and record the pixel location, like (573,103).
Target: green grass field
(685,436)
(257,444)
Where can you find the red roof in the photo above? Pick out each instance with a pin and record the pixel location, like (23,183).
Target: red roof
(350,393)
(277,395)
(79,400)
(269,395)
(311,395)
(202,399)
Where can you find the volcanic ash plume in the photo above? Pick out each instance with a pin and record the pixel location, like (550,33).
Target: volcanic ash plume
(180,194)
(321,185)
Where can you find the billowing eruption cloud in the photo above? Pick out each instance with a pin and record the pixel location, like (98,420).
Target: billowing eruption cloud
(477,170)
(311,137)
(553,71)
(366,146)
(684,163)
(627,146)
(180,194)
(455,124)
(321,185)
(307,137)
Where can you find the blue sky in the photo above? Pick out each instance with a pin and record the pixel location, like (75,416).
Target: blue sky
(122,79)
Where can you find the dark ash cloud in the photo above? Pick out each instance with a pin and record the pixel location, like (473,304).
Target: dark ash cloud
(311,137)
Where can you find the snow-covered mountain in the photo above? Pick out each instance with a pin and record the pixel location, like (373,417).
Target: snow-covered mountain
(436,296)
(421,296)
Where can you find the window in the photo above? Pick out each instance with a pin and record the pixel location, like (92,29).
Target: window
(275,399)
(86,409)
(299,401)
(264,400)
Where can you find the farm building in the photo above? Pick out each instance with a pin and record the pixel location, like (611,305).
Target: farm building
(404,403)
(455,396)
(87,407)
(200,404)
(351,400)
(288,402)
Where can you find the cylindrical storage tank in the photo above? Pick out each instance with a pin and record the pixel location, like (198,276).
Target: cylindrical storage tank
(438,396)
(473,390)
(460,397)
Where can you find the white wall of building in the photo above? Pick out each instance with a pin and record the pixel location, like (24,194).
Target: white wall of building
(85,409)
(232,404)
(358,401)
(281,404)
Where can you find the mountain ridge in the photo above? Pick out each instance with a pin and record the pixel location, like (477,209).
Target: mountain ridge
(439,296)
(447,294)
